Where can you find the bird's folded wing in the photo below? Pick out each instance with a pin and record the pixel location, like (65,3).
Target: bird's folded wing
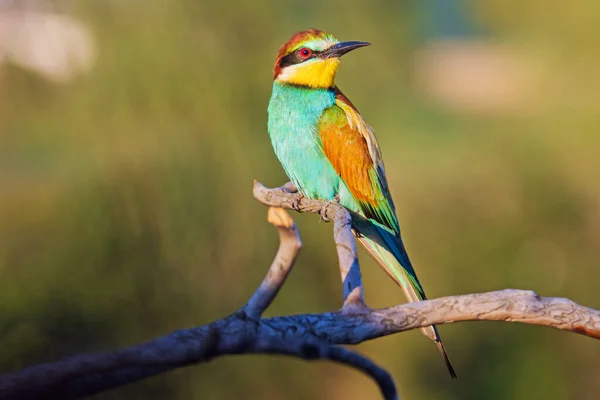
(350,145)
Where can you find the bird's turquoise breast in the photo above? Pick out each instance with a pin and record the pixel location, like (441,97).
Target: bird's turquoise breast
(294,114)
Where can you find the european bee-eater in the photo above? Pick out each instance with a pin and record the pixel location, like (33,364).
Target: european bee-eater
(330,152)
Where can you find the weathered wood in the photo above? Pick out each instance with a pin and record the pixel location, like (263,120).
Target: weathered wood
(307,336)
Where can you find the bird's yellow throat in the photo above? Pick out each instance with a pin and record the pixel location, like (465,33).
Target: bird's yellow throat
(317,73)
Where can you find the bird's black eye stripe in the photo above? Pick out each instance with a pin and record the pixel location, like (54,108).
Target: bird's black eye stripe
(295,58)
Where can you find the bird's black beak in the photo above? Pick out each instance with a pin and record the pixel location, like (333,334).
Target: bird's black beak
(342,48)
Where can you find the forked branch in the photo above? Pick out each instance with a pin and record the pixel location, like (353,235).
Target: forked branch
(306,336)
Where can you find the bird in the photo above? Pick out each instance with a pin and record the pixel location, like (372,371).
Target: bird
(330,153)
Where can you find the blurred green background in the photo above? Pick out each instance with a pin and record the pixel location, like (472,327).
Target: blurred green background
(126,209)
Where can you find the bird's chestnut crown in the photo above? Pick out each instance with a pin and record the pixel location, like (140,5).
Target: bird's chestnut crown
(311,58)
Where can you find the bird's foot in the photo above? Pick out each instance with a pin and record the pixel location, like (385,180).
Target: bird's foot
(323,211)
(297,200)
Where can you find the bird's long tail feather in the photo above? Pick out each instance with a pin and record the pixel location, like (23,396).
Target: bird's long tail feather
(389,252)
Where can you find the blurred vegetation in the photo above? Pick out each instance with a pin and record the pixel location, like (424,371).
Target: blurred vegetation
(126,209)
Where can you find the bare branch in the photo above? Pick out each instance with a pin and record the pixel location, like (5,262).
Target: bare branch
(506,305)
(348,259)
(307,336)
(315,350)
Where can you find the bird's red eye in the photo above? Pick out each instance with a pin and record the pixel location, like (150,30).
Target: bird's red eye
(305,52)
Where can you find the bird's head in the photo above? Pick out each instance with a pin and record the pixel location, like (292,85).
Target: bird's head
(311,58)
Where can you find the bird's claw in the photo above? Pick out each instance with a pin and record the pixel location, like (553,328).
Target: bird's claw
(323,211)
(297,200)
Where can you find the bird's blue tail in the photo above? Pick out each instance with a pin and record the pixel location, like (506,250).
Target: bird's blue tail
(389,252)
